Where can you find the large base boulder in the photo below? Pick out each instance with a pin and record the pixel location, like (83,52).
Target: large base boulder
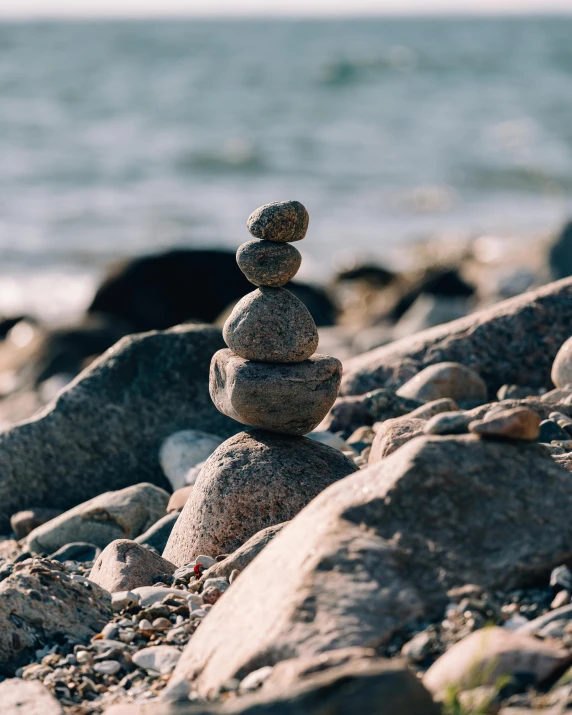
(380,549)
(105,430)
(40,601)
(253,480)
(513,342)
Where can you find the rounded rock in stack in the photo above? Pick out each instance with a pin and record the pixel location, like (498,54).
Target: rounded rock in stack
(292,399)
(281,221)
(266,263)
(271,325)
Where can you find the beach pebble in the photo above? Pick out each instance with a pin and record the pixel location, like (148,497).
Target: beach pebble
(160,659)
(392,434)
(446,379)
(561,373)
(179,498)
(555,396)
(287,398)
(561,577)
(24,522)
(124,565)
(107,667)
(551,431)
(271,325)
(517,423)
(183,450)
(448,423)
(266,263)
(206,561)
(124,599)
(515,392)
(254,680)
(331,439)
(281,221)
(435,407)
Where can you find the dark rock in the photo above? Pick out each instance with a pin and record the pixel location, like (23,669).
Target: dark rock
(292,399)
(253,480)
(281,221)
(76,551)
(124,565)
(349,413)
(105,430)
(561,577)
(24,522)
(61,606)
(157,535)
(159,291)
(371,274)
(515,341)
(240,558)
(392,434)
(550,431)
(560,256)
(435,407)
(381,549)
(271,325)
(266,263)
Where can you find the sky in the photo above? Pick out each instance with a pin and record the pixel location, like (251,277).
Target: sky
(157,8)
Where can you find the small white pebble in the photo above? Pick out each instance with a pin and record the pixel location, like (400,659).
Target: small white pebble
(145,625)
(107,667)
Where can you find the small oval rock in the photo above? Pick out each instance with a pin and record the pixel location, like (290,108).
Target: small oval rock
(281,221)
(271,325)
(446,379)
(267,263)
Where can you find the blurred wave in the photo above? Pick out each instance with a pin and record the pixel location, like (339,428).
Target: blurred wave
(118,138)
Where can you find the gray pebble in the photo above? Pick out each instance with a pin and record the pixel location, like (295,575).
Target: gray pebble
(267,263)
(448,423)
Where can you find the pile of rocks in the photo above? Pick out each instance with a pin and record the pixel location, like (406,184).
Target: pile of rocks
(268,378)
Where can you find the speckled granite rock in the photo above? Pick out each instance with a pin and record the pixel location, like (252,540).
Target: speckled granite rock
(40,601)
(562,366)
(392,434)
(114,515)
(253,480)
(382,547)
(445,379)
(516,423)
(124,565)
(284,398)
(271,325)
(349,413)
(104,431)
(27,697)
(266,263)
(282,221)
(515,341)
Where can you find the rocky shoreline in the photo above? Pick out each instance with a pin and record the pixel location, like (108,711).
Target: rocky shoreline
(411,554)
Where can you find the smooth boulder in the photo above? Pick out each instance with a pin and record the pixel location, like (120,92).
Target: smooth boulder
(271,325)
(380,549)
(292,399)
(27,697)
(104,431)
(254,480)
(40,601)
(124,565)
(114,515)
(512,342)
(445,379)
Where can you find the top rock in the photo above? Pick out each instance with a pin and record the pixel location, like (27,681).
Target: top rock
(280,221)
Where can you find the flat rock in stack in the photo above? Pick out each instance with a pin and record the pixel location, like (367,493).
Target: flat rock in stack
(283,398)
(267,263)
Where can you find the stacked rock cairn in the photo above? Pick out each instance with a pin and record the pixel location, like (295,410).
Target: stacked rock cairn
(269,377)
